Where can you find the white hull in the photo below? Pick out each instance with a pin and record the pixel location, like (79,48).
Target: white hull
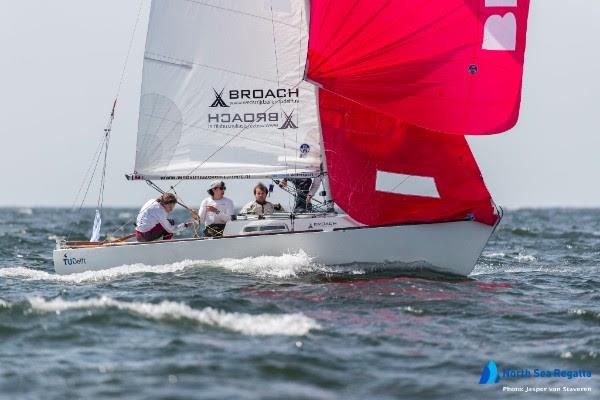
(451,247)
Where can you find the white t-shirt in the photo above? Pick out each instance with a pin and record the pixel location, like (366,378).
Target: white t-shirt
(151,214)
(225,207)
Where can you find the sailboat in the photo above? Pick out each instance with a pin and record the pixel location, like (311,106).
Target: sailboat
(373,96)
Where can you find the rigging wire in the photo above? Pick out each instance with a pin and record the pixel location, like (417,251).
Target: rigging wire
(101,152)
(87,173)
(279,84)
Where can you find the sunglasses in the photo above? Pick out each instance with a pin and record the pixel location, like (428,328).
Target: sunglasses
(220,187)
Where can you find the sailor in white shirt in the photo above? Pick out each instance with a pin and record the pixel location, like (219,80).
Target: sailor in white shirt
(216,210)
(152,222)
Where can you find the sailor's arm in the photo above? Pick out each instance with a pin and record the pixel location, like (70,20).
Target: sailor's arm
(202,211)
(166,224)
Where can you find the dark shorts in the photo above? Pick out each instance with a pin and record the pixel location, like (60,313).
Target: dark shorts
(155,233)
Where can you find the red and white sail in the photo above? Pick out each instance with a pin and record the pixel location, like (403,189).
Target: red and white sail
(452,66)
(383,171)
(402,82)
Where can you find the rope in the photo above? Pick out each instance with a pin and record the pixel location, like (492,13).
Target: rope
(278,84)
(321,207)
(103,146)
(193,214)
(131,39)
(91,179)
(108,129)
(85,177)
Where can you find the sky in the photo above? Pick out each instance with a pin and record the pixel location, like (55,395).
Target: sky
(62,61)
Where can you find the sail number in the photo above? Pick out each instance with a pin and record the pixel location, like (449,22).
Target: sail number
(500,31)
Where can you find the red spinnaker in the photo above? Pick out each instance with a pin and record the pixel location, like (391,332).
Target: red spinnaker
(359,142)
(452,66)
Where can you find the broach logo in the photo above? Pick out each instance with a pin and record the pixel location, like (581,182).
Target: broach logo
(264,96)
(219,102)
(326,224)
(73,260)
(489,375)
(288,123)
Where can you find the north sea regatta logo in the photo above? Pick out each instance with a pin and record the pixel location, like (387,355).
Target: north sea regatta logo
(489,375)
(535,378)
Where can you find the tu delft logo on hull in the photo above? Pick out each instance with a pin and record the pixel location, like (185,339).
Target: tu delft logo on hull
(489,375)
(219,102)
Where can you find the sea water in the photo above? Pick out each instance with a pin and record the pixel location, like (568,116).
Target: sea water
(288,327)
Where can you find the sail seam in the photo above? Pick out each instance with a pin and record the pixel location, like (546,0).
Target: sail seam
(181,61)
(239,12)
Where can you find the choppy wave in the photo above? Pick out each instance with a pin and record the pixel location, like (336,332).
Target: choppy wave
(95,276)
(283,267)
(259,325)
(585,314)
(525,257)
(413,310)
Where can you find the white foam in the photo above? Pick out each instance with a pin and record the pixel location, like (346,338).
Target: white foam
(413,310)
(578,311)
(284,266)
(525,257)
(4,304)
(260,324)
(55,238)
(495,255)
(95,276)
(25,211)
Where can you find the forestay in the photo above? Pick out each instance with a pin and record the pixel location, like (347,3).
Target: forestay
(223,92)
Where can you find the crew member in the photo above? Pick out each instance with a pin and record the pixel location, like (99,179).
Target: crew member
(216,210)
(260,205)
(152,222)
(305,190)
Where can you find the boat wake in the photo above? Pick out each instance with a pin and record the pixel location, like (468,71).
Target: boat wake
(256,325)
(286,266)
(283,267)
(96,276)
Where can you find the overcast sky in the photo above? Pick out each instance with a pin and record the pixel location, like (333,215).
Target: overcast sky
(62,60)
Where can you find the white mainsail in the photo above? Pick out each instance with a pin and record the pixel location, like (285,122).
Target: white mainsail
(223,92)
